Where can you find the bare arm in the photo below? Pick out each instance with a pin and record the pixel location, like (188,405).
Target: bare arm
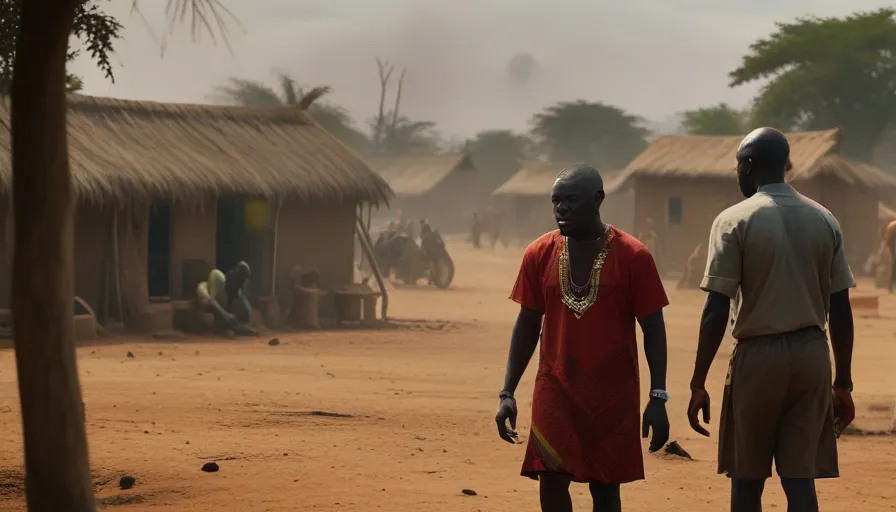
(654,329)
(842,333)
(724,267)
(840,313)
(523,341)
(713,323)
(650,299)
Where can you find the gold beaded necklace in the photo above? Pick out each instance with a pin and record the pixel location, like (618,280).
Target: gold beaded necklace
(577,305)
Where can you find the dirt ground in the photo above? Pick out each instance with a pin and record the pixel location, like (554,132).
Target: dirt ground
(419,404)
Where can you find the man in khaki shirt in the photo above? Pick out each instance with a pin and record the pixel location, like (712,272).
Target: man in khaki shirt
(784,253)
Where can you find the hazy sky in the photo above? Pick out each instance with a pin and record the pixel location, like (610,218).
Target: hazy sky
(651,57)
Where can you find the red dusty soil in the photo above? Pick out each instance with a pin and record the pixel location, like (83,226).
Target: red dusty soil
(418,425)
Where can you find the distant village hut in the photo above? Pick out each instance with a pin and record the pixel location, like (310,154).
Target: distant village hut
(445,189)
(166,192)
(525,201)
(683,182)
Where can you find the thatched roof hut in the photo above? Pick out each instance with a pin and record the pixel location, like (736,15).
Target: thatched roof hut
(122,149)
(414,176)
(689,156)
(524,200)
(813,154)
(683,182)
(534,178)
(446,189)
(150,164)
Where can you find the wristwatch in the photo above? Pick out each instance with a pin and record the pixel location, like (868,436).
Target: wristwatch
(841,386)
(660,394)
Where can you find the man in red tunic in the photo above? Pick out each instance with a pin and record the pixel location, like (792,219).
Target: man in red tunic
(589,282)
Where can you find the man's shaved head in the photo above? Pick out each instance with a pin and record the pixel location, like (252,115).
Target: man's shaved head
(242,269)
(583,175)
(767,148)
(763,157)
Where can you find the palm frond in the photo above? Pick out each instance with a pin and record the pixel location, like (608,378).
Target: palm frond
(288,89)
(247,93)
(313,94)
(209,16)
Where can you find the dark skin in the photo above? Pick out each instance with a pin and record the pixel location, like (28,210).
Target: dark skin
(230,319)
(577,198)
(236,281)
(746,495)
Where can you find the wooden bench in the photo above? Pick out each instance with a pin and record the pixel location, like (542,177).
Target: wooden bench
(356,305)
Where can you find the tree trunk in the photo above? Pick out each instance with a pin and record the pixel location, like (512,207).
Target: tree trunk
(57,474)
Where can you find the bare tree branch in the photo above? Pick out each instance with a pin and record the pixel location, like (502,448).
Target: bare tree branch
(395,115)
(385,70)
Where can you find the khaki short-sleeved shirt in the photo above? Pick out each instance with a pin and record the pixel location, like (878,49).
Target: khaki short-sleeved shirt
(785,254)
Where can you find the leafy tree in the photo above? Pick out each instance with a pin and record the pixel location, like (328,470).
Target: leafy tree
(334,119)
(498,152)
(717,120)
(404,136)
(502,145)
(57,469)
(596,133)
(409,136)
(73,83)
(94,28)
(827,72)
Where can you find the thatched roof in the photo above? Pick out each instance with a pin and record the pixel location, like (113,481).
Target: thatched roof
(416,175)
(812,154)
(534,178)
(120,149)
(696,156)
(848,171)
(537,177)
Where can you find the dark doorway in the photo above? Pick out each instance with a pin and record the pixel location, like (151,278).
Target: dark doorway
(159,250)
(238,239)
(231,233)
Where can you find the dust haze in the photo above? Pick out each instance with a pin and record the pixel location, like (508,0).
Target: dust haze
(651,57)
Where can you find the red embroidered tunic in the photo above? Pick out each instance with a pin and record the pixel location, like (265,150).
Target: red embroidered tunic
(586,406)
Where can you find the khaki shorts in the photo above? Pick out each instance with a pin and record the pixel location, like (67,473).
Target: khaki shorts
(777,405)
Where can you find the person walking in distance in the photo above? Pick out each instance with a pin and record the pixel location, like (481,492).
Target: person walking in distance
(651,239)
(785,254)
(589,283)
(476,231)
(890,240)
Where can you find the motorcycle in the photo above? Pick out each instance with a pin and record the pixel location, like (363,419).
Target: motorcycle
(398,253)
